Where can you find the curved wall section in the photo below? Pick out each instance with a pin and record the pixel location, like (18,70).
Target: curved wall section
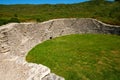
(16,39)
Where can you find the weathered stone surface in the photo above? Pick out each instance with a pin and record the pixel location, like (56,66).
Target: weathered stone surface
(52,76)
(16,39)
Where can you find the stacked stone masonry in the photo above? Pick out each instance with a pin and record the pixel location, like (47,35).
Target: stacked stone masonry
(16,39)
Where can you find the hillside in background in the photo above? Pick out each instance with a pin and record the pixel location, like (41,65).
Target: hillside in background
(108,12)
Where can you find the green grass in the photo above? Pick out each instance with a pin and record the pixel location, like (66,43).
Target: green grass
(80,57)
(108,12)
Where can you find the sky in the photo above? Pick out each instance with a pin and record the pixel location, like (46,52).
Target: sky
(41,1)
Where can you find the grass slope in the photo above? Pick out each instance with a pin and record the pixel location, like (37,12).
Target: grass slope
(80,57)
(108,12)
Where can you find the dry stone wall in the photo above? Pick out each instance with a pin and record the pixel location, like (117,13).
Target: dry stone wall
(16,39)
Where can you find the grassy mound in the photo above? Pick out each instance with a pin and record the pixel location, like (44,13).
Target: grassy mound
(80,57)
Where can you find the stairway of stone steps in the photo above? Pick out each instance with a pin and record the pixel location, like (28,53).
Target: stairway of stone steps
(3,43)
(16,65)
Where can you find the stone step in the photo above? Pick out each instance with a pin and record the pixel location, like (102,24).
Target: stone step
(4,48)
(52,76)
(37,72)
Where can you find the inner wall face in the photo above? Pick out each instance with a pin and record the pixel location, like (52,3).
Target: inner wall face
(28,35)
(16,39)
